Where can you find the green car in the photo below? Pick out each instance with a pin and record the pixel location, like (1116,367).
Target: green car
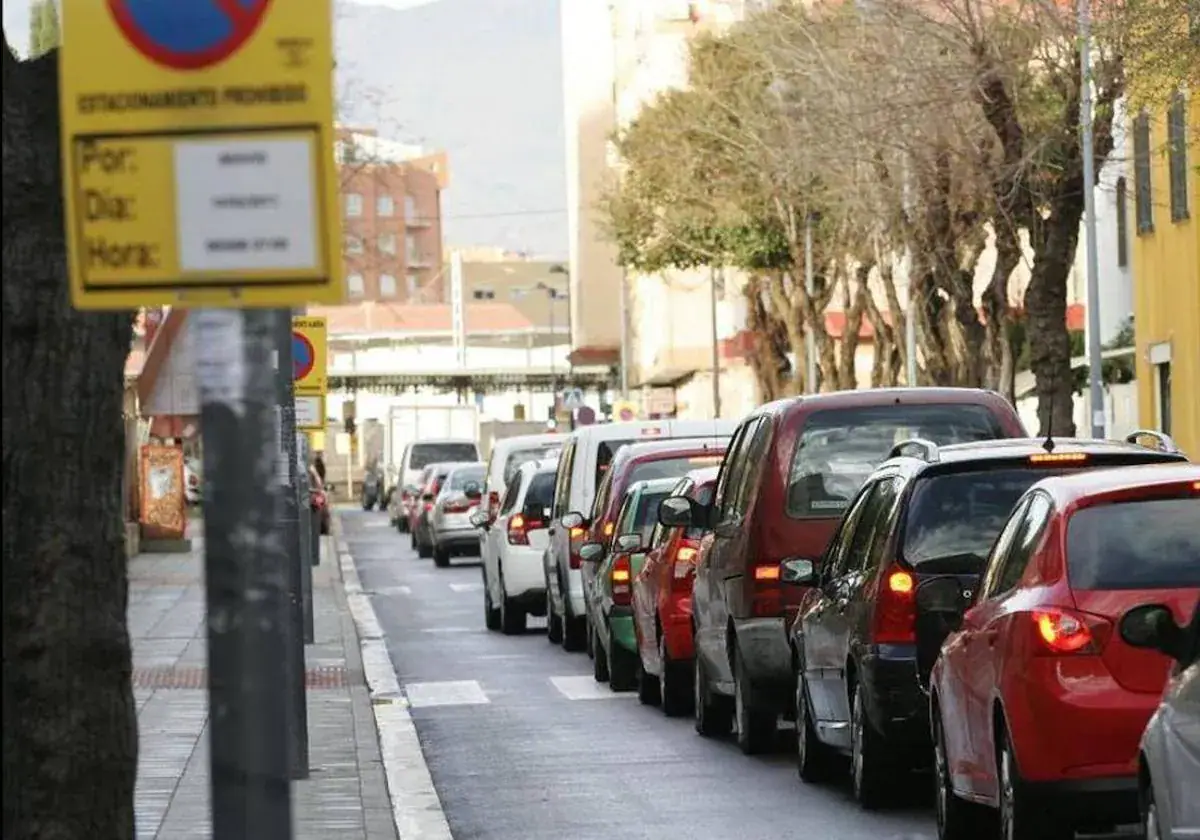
(609,598)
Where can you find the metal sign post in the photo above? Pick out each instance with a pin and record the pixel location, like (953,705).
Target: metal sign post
(245,568)
(308,543)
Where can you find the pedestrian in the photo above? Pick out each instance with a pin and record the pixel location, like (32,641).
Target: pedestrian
(319,465)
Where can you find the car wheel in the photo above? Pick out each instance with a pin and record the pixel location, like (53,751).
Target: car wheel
(599,661)
(756,725)
(1021,817)
(714,714)
(554,623)
(957,819)
(491,615)
(649,687)
(622,666)
(441,556)
(590,647)
(871,773)
(575,629)
(512,616)
(676,683)
(412,539)
(1150,824)
(816,761)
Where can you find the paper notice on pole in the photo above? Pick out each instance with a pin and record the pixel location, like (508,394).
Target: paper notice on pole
(283,467)
(219,339)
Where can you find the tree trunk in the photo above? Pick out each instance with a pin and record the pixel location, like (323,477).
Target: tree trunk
(767,360)
(70,727)
(1046,306)
(998,352)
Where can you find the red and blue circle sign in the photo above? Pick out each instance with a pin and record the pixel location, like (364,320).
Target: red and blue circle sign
(188,34)
(304,357)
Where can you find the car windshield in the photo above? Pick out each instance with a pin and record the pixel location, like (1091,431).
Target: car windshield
(424,454)
(961,514)
(605,452)
(1142,544)
(672,467)
(703,495)
(459,479)
(642,517)
(839,448)
(523,456)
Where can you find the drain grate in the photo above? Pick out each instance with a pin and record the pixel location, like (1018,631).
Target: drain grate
(322,678)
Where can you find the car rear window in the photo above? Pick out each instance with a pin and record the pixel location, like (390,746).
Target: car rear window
(1142,544)
(840,447)
(424,454)
(671,467)
(702,495)
(645,516)
(459,479)
(605,452)
(523,456)
(958,516)
(541,490)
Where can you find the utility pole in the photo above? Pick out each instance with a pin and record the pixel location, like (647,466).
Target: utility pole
(716,347)
(1095,360)
(246,575)
(810,335)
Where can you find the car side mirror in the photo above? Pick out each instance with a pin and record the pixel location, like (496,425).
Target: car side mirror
(591,552)
(629,543)
(675,512)
(1153,626)
(798,572)
(572,520)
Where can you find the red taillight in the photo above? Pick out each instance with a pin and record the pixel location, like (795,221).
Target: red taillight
(608,529)
(684,568)
(767,599)
(574,541)
(896,609)
(493,503)
(318,500)
(519,528)
(621,578)
(1063,633)
(428,507)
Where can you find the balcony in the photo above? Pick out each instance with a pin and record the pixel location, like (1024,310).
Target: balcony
(415,259)
(419,222)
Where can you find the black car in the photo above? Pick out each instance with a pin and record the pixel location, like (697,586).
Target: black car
(864,642)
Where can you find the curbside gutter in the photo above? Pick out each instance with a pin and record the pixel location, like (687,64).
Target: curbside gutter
(416,808)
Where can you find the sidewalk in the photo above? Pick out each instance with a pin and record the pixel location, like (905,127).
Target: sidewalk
(346,795)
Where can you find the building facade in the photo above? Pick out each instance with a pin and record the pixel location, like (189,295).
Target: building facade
(392,219)
(1165,198)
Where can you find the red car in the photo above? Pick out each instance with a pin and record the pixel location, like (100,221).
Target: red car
(1037,703)
(662,603)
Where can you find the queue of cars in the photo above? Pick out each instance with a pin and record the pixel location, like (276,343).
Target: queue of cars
(904,574)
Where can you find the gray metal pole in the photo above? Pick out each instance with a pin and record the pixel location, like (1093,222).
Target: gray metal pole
(624,334)
(810,335)
(245,576)
(716,347)
(910,337)
(308,543)
(289,520)
(1095,361)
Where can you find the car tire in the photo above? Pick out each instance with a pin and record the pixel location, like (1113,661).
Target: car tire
(649,686)
(590,647)
(412,539)
(756,726)
(816,761)
(491,615)
(675,684)
(957,819)
(599,661)
(512,617)
(441,556)
(554,622)
(574,637)
(1022,817)
(714,714)
(622,666)
(1151,827)
(872,776)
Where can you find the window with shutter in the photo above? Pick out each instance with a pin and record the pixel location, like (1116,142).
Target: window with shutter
(1122,224)
(1177,157)
(1144,195)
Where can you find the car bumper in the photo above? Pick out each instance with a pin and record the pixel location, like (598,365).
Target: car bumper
(895,704)
(522,572)
(460,541)
(1090,803)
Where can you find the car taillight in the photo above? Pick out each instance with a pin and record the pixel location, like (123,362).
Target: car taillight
(1064,633)
(608,529)
(519,528)
(621,578)
(767,594)
(574,541)
(895,609)
(428,506)
(493,503)
(684,568)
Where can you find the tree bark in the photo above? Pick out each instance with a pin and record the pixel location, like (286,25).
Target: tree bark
(70,727)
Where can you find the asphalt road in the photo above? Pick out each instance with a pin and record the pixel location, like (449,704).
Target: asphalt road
(522,744)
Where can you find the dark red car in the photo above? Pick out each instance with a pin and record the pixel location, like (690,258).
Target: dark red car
(662,603)
(1037,702)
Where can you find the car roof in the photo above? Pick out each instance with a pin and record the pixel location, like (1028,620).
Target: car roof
(437,441)
(704,475)
(651,429)
(652,485)
(518,441)
(923,395)
(1078,487)
(1021,449)
(450,466)
(691,444)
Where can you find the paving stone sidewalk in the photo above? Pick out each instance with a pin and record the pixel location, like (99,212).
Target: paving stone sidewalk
(345,796)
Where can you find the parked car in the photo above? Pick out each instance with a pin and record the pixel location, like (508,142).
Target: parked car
(609,596)
(1023,688)
(318,499)
(584,459)
(1169,760)
(422,535)
(641,462)
(421,454)
(400,505)
(451,531)
(788,476)
(372,489)
(511,547)
(507,456)
(416,505)
(662,601)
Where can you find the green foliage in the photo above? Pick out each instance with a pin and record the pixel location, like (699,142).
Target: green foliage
(44,34)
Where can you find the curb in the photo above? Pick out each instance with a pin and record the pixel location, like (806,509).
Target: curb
(416,808)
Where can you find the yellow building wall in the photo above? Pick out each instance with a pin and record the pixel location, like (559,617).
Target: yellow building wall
(1166,265)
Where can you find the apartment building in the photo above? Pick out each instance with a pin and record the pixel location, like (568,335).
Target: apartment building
(538,289)
(392,218)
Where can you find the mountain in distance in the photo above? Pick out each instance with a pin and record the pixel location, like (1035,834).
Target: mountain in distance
(482,80)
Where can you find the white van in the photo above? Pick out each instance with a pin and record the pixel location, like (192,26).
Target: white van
(507,456)
(581,465)
(417,456)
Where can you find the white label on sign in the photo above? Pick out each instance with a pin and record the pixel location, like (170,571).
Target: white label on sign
(283,466)
(244,205)
(308,413)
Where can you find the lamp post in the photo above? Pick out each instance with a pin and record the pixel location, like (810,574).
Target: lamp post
(1095,362)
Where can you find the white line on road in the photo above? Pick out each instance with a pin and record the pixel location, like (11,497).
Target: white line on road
(450,630)
(377,523)
(447,693)
(466,587)
(391,590)
(417,811)
(586,688)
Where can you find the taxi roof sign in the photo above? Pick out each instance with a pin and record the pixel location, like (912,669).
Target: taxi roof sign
(197,143)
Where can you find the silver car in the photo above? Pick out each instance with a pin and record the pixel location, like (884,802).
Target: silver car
(450,528)
(1169,764)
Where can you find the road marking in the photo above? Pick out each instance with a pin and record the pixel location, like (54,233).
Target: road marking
(377,523)
(449,693)
(450,630)
(586,688)
(390,590)
(466,587)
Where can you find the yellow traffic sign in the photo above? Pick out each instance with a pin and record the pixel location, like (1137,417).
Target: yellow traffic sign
(310,356)
(197,143)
